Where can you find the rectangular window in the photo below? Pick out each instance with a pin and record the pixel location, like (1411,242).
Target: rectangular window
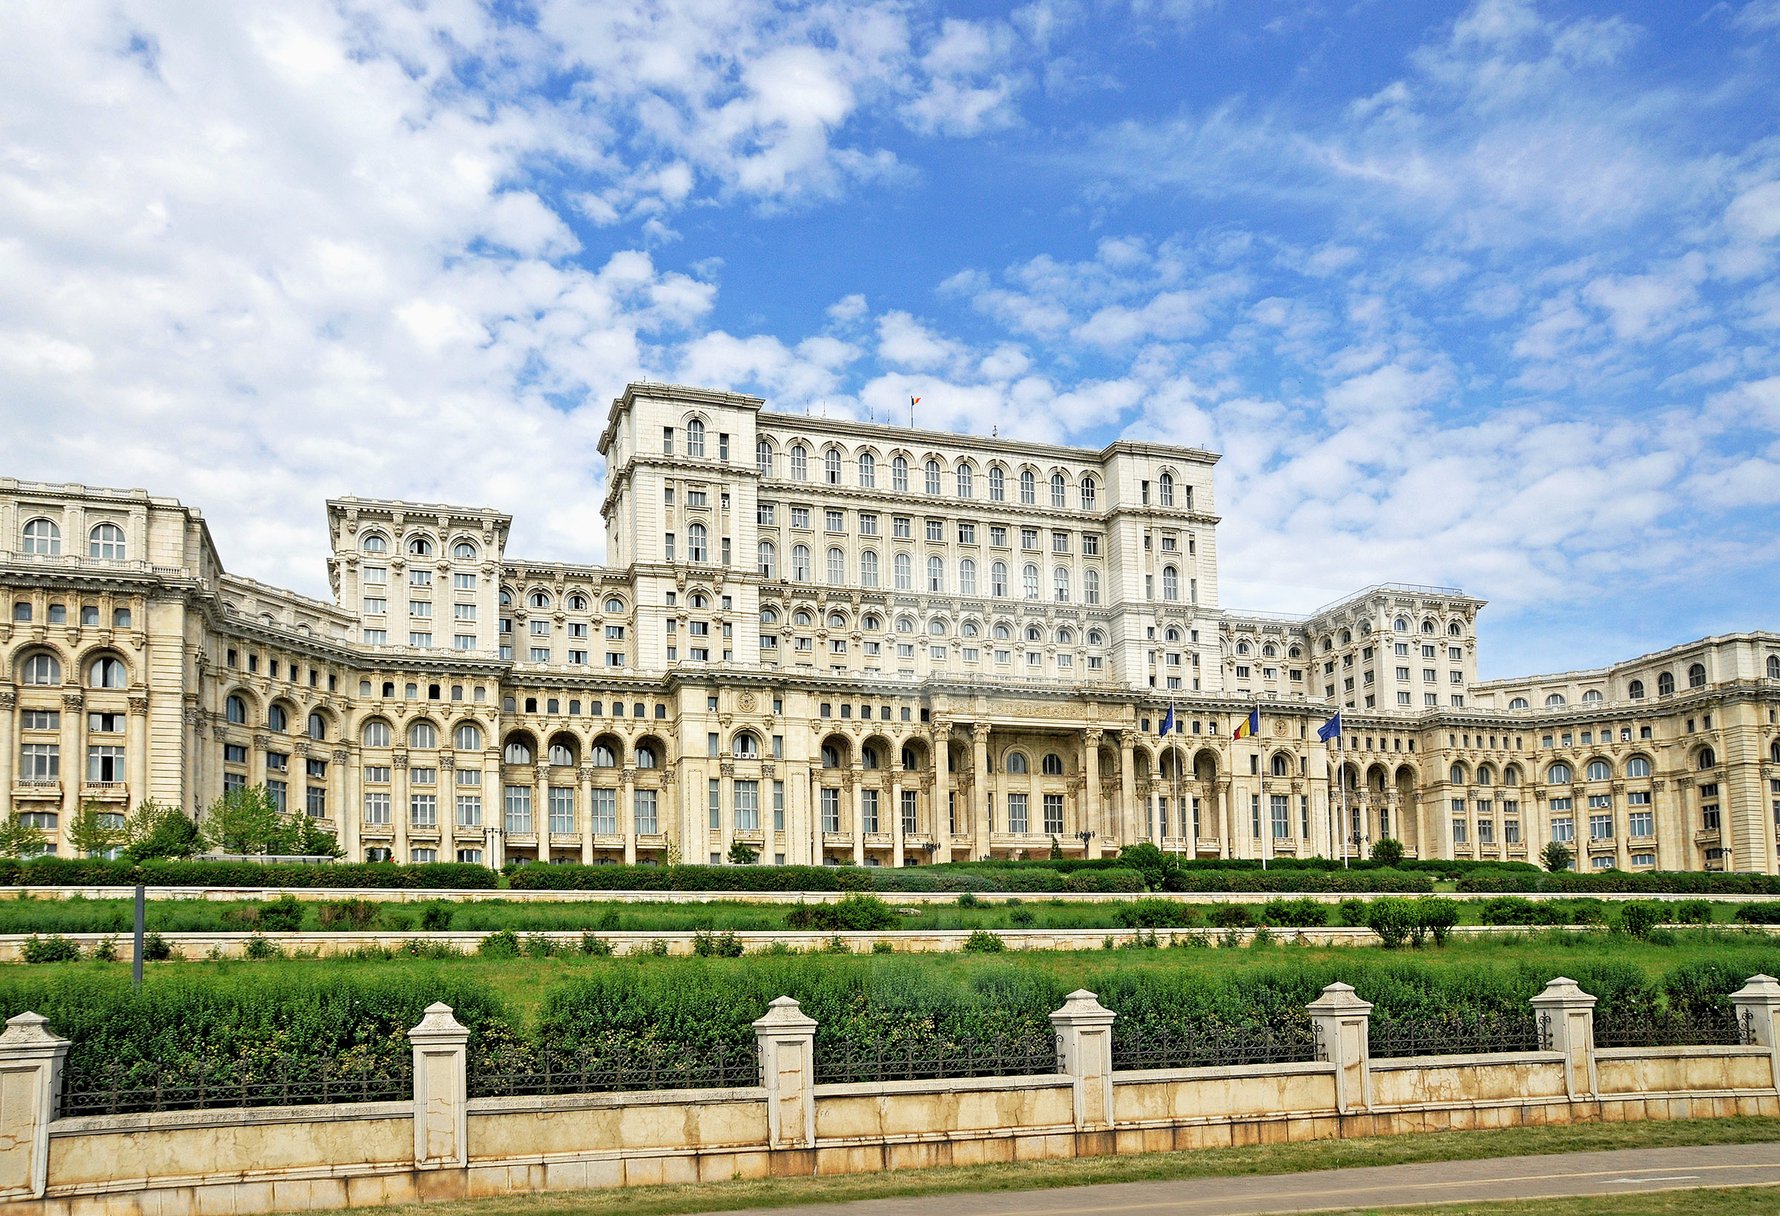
(1281,814)
(714,803)
(561,801)
(778,805)
(516,805)
(1053,813)
(105,764)
(643,807)
(831,810)
(1640,823)
(377,808)
(747,806)
(868,809)
(1016,813)
(868,523)
(423,810)
(1563,830)
(908,812)
(1460,830)
(469,810)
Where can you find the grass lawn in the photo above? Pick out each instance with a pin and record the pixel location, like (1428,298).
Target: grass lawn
(1203,1163)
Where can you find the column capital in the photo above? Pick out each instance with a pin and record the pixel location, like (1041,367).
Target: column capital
(139,705)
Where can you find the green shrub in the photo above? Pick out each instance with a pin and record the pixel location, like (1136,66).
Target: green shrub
(1693,912)
(1437,917)
(709,944)
(260,947)
(1352,912)
(155,948)
(656,948)
(1387,852)
(346,913)
(167,872)
(1638,919)
(52,949)
(503,943)
(1294,913)
(969,900)
(1022,918)
(536,945)
(984,942)
(281,915)
(1154,914)
(598,947)
(1109,880)
(1752,914)
(883,947)
(106,950)
(435,917)
(1393,920)
(1229,916)
(1509,910)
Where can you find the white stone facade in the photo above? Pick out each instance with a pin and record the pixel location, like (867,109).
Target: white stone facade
(829,641)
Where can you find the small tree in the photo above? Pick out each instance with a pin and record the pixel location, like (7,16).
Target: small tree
(156,829)
(741,854)
(1056,849)
(20,839)
(1557,856)
(1387,852)
(243,820)
(95,831)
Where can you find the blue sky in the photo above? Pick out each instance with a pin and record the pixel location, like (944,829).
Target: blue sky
(1475,294)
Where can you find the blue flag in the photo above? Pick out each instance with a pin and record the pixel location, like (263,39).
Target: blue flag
(1168,721)
(1330,729)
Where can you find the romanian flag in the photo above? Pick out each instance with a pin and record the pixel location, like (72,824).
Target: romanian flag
(1250,725)
(914,401)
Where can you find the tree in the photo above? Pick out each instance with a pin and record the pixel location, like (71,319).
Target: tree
(741,854)
(244,820)
(95,831)
(155,829)
(1056,849)
(1387,852)
(1557,856)
(20,839)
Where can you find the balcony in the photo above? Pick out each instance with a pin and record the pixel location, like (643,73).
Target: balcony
(38,788)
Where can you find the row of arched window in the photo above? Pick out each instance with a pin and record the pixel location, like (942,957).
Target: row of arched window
(965,582)
(377,544)
(43,538)
(1559,772)
(871,622)
(278,717)
(1636,690)
(934,478)
(542,599)
(1268,650)
(42,669)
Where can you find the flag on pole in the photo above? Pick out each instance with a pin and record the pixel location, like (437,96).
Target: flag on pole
(914,401)
(1167,722)
(1329,729)
(1250,726)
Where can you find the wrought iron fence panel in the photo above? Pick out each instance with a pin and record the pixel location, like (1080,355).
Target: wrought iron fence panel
(615,1068)
(213,1082)
(1669,1028)
(846,1061)
(1459,1035)
(1215,1044)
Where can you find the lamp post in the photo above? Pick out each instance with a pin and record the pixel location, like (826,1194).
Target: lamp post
(1085,835)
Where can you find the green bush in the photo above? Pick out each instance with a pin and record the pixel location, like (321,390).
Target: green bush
(708,944)
(158,872)
(260,947)
(1437,917)
(1638,919)
(1755,914)
(346,913)
(501,944)
(1154,914)
(1104,880)
(52,949)
(1387,852)
(1022,918)
(1693,912)
(106,950)
(155,948)
(982,941)
(1294,913)
(969,900)
(435,917)
(1392,919)
(1229,916)
(1510,910)
(281,915)
(598,947)
(1352,912)
(858,913)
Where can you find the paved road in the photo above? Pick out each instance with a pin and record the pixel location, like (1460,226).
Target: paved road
(1619,1172)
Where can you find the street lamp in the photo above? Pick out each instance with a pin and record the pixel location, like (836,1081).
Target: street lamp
(1085,835)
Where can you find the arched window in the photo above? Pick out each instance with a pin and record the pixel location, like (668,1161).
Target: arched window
(1059,490)
(931,469)
(107,672)
(1774,667)
(745,746)
(1034,634)
(971,629)
(998,579)
(517,751)
(1591,696)
(614,605)
(1052,765)
(837,566)
(1638,766)
(1599,770)
(540,599)
(603,756)
(1280,767)
(277,719)
(1060,584)
(1708,758)
(1665,685)
(1518,703)
(1555,699)
(561,756)
(1400,625)
(463,551)
(1558,774)
(1096,638)
(647,757)
(420,546)
(763,457)
(831,756)
(1456,774)
(868,568)
(1003,633)
(800,563)
(1091,586)
(374,542)
(1165,489)
(1511,775)
(967,577)
(905,573)
(800,462)
(997,484)
(868,470)
(905,624)
(106,543)
(872,621)
(1173,635)
(869,757)
(1455,630)
(899,474)
(837,620)
(318,726)
(1635,690)
(375,734)
(1170,583)
(936,574)
(1066,636)
(1016,763)
(966,481)
(43,538)
(467,737)
(831,467)
(1088,494)
(1696,675)
(698,547)
(695,437)
(1028,487)
(1029,581)
(1428,626)
(577,602)
(423,736)
(769,560)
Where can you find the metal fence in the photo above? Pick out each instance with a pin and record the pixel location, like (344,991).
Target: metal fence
(212,1082)
(1668,1028)
(1453,1036)
(615,1068)
(1213,1045)
(925,1059)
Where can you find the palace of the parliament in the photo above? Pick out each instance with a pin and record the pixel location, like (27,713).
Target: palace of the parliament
(835,642)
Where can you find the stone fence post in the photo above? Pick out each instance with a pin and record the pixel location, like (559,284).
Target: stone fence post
(30,1093)
(1343,1026)
(786,1039)
(1084,1053)
(1758,1009)
(1571,1014)
(441,1089)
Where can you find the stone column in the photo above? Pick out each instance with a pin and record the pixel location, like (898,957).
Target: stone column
(897,843)
(541,806)
(398,804)
(786,1040)
(441,1089)
(1091,820)
(74,765)
(1343,1025)
(1570,1014)
(349,807)
(1226,819)
(136,755)
(726,803)
(30,1091)
(853,798)
(978,815)
(627,812)
(8,748)
(1758,1011)
(942,790)
(586,810)
(1129,832)
(1084,1053)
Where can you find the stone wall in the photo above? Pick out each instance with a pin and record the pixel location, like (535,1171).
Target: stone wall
(445,1144)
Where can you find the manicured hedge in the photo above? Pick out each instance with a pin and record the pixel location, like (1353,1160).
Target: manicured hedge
(1668,882)
(97,872)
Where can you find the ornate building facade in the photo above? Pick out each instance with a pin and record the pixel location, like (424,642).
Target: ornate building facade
(837,642)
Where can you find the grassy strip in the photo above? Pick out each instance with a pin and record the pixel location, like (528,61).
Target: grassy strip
(1158,1167)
